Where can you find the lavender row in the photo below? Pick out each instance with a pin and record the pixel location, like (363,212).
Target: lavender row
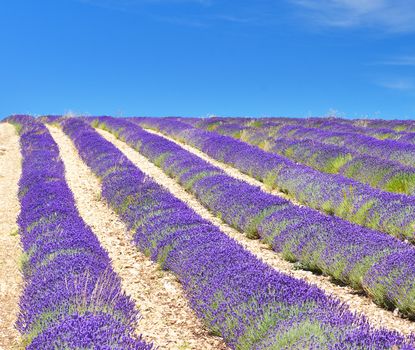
(402,131)
(276,135)
(331,124)
(240,298)
(375,172)
(395,146)
(341,125)
(338,125)
(400,126)
(383,130)
(383,211)
(371,126)
(390,150)
(71,298)
(359,257)
(332,131)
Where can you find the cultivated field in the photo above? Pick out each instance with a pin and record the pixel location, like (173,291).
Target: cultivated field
(216,233)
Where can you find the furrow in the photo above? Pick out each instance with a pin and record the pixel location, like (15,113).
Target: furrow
(229,170)
(11,282)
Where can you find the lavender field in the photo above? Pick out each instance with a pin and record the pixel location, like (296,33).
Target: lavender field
(207,233)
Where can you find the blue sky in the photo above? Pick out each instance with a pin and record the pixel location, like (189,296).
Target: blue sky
(353,58)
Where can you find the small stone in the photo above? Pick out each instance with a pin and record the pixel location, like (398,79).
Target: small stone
(396,312)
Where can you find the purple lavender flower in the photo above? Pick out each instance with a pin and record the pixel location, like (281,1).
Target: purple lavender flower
(72,298)
(333,194)
(240,298)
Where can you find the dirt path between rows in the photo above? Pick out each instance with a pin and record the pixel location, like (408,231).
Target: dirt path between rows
(11,281)
(377,316)
(228,169)
(167,320)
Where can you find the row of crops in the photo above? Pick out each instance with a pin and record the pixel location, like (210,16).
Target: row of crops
(73,299)
(359,257)
(331,151)
(331,193)
(70,289)
(333,147)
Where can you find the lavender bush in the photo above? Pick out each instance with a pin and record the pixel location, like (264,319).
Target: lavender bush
(72,298)
(381,131)
(382,173)
(240,298)
(397,146)
(398,130)
(385,149)
(376,172)
(348,253)
(387,212)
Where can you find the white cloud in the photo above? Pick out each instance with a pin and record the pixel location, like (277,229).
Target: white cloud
(406,60)
(397,84)
(389,15)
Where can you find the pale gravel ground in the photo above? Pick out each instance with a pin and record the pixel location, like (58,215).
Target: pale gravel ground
(231,171)
(167,320)
(11,282)
(377,316)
